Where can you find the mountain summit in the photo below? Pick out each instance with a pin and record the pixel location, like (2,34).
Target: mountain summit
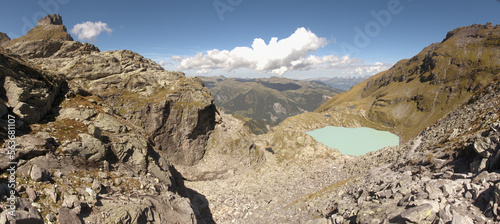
(54,19)
(43,40)
(49,28)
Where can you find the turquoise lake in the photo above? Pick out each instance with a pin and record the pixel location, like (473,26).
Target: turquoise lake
(354,141)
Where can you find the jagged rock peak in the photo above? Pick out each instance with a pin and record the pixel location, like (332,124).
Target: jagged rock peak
(54,19)
(43,40)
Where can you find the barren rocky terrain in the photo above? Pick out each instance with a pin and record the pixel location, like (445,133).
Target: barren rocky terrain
(111,137)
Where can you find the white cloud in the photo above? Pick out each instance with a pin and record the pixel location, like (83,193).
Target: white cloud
(202,71)
(164,63)
(176,58)
(278,56)
(367,69)
(90,30)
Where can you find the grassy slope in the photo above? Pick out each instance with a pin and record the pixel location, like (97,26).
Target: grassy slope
(416,92)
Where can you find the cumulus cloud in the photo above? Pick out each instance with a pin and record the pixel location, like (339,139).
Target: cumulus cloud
(278,56)
(90,30)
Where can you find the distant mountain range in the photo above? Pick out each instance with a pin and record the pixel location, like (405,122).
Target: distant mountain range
(265,102)
(342,83)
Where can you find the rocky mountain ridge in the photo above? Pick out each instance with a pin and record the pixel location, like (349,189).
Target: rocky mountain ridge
(114,71)
(98,132)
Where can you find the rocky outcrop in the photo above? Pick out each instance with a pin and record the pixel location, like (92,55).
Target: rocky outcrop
(77,60)
(90,164)
(4,39)
(97,130)
(146,209)
(54,19)
(28,92)
(177,112)
(231,148)
(68,216)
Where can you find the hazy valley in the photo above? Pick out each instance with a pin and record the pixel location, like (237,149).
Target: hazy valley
(264,103)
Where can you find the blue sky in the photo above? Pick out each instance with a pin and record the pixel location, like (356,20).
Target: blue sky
(315,38)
